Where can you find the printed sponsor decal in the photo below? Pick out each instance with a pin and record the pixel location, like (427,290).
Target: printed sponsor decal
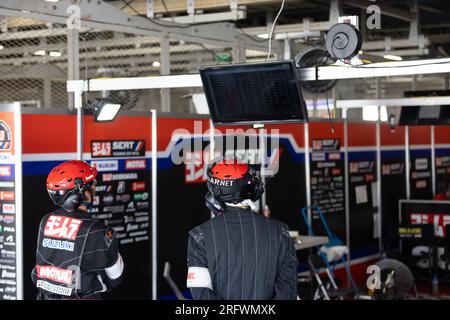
(101,149)
(96,201)
(138,186)
(9,208)
(439,221)
(421,184)
(123,198)
(7,274)
(9,229)
(334,156)
(142,205)
(325,144)
(318,156)
(6,184)
(58,244)
(7,219)
(104,188)
(5,136)
(326,165)
(421,164)
(119,176)
(108,199)
(137,239)
(107,165)
(62,227)
(5,171)
(122,148)
(47,286)
(144,196)
(121,187)
(135,164)
(7,196)
(55,274)
(130,207)
(114,209)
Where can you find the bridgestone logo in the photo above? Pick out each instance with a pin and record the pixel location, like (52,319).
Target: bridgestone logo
(54,288)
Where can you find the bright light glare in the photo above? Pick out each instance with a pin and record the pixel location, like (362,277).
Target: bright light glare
(39,53)
(108,111)
(156,64)
(392,57)
(264,36)
(370,113)
(54,54)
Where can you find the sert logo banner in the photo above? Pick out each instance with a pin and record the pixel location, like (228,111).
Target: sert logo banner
(118,148)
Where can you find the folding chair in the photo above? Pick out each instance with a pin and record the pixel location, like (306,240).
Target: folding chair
(334,251)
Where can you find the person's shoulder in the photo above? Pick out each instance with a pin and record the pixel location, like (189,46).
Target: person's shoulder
(283,227)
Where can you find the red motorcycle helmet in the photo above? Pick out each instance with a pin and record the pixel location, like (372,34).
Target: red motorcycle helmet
(67,182)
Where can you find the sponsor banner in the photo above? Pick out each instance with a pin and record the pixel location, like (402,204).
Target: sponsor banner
(140,196)
(7,219)
(62,227)
(326,145)
(116,148)
(135,164)
(6,171)
(5,137)
(318,156)
(9,208)
(138,186)
(7,184)
(106,165)
(7,196)
(421,164)
(107,177)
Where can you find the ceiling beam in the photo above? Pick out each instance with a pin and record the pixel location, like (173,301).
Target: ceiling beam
(384,9)
(174,6)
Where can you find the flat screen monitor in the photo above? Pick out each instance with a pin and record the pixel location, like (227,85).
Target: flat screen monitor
(254,93)
(426,115)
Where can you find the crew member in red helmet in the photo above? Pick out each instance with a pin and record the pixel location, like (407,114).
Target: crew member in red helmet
(239,254)
(77,256)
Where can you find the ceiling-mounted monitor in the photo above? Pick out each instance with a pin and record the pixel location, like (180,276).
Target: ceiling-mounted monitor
(254,93)
(425,115)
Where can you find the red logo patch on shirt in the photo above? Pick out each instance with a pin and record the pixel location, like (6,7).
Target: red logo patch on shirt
(62,227)
(55,274)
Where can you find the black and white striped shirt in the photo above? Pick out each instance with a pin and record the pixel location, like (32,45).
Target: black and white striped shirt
(248,256)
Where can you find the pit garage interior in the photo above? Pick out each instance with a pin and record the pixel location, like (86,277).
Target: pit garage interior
(367,169)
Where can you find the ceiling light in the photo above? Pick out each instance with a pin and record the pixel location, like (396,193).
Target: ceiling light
(156,64)
(39,53)
(52,0)
(264,36)
(106,110)
(54,54)
(2,47)
(392,57)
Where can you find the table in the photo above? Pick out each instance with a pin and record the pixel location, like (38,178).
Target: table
(307,242)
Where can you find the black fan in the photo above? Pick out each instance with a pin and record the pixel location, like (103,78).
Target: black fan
(315,57)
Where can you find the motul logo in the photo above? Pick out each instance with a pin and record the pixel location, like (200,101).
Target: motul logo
(55,274)
(62,227)
(135,164)
(5,171)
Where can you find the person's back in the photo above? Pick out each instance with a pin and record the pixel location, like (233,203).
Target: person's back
(77,256)
(239,255)
(249,257)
